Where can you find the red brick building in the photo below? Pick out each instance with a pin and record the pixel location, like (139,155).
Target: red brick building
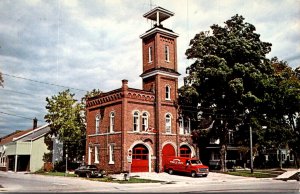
(132,129)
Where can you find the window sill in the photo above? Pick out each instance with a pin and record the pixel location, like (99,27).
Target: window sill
(101,134)
(111,162)
(185,134)
(96,162)
(140,132)
(170,134)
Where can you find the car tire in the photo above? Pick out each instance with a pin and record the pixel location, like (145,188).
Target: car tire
(193,174)
(171,171)
(88,175)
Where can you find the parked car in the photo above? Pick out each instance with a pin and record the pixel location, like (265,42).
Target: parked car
(89,171)
(191,166)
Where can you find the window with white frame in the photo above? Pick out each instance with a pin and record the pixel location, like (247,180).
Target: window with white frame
(167,53)
(96,154)
(180,120)
(145,120)
(90,155)
(187,126)
(97,124)
(111,154)
(168,123)
(150,54)
(168,92)
(111,122)
(136,121)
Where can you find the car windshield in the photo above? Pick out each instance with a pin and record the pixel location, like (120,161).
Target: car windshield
(196,162)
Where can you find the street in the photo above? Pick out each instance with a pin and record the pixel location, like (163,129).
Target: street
(20,182)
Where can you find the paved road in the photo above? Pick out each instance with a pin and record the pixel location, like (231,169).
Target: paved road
(214,183)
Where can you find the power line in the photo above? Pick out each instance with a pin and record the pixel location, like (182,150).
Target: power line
(15,115)
(40,82)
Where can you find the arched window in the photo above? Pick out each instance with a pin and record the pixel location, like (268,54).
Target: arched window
(111,122)
(168,92)
(111,154)
(167,53)
(187,126)
(180,120)
(97,124)
(150,54)
(145,120)
(168,123)
(136,121)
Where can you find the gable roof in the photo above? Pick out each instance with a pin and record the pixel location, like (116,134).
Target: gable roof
(10,137)
(33,134)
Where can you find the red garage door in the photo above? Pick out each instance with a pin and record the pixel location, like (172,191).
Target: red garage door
(168,150)
(140,159)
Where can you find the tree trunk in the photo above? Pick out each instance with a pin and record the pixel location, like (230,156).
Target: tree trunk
(223,158)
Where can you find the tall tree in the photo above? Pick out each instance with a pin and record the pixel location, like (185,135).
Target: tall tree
(230,74)
(67,122)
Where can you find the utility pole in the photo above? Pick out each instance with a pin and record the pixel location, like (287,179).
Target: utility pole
(251,150)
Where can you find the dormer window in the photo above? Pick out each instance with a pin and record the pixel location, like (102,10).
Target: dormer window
(168,92)
(167,53)
(150,54)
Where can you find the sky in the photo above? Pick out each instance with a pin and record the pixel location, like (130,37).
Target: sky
(49,46)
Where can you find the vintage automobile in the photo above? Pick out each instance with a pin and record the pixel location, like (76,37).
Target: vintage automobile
(191,166)
(89,171)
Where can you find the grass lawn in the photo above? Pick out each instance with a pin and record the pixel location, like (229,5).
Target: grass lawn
(55,174)
(104,179)
(256,173)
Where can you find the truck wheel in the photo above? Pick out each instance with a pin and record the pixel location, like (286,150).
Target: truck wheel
(171,171)
(193,174)
(88,175)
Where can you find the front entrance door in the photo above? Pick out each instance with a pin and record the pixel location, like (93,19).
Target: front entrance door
(140,156)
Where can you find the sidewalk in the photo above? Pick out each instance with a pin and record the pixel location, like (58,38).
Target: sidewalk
(212,177)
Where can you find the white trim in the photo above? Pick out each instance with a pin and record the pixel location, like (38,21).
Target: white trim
(96,159)
(150,151)
(150,57)
(115,132)
(30,132)
(155,30)
(137,123)
(111,154)
(158,72)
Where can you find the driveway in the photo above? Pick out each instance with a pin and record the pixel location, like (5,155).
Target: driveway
(212,177)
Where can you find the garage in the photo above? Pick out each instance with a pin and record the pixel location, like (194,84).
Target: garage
(140,155)
(167,151)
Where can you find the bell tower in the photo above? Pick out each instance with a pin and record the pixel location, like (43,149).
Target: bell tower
(161,77)
(159,51)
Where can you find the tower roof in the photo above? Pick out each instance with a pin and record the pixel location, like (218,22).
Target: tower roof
(158,14)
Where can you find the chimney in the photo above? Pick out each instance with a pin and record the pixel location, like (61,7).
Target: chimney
(124,84)
(35,123)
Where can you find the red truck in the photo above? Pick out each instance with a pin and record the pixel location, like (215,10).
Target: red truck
(191,166)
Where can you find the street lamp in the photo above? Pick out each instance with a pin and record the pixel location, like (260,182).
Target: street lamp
(251,150)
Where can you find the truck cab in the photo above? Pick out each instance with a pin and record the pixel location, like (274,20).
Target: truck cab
(191,166)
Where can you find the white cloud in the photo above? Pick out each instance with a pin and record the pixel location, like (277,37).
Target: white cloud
(95,44)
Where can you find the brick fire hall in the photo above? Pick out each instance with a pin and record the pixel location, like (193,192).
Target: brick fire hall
(133,129)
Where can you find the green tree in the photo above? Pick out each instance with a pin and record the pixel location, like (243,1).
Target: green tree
(67,122)
(229,74)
